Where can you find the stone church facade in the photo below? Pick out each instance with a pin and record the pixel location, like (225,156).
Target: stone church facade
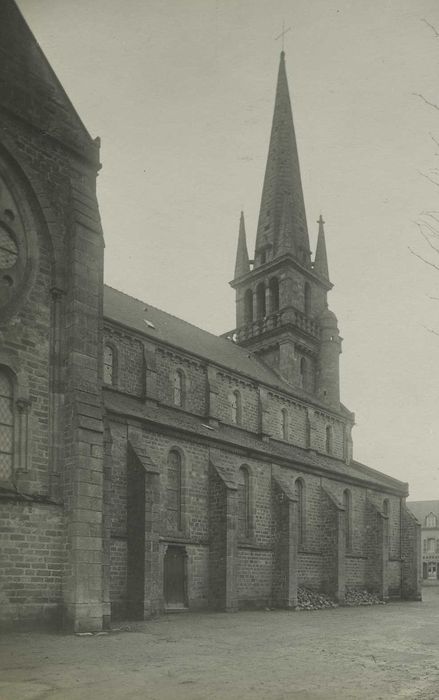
(147,465)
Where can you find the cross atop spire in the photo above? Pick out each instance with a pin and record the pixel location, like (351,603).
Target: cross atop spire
(282,35)
(282,181)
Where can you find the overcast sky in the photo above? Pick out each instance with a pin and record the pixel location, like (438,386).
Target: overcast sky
(181,93)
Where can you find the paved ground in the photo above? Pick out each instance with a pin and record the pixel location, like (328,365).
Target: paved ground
(376,652)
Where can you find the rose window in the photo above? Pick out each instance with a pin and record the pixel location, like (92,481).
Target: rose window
(8,250)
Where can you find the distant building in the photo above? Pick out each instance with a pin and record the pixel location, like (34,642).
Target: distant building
(427,512)
(145,464)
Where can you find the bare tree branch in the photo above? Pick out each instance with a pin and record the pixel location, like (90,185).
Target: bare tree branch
(432,27)
(431,215)
(429,226)
(433,231)
(425,237)
(427,102)
(427,262)
(430,330)
(430,179)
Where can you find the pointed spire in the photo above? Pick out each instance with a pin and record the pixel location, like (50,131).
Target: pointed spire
(321,259)
(242,265)
(282,179)
(286,238)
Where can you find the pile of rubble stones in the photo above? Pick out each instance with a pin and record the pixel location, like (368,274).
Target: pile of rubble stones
(355,597)
(310,600)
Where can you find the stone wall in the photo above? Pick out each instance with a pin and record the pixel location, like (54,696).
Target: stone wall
(261,409)
(256,569)
(51,341)
(168,362)
(118,578)
(33,559)
(254,574)
(129,372)
(411,574)
(310,570)
(217,541)
(356,571)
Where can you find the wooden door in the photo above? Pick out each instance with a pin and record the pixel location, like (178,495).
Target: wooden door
(175,577)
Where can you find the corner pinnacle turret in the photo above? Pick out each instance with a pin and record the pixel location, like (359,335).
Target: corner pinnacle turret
(321,258)
(282,191)
(242,265)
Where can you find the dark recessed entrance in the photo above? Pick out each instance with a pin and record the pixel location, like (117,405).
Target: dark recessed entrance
(135,538)
(175,578)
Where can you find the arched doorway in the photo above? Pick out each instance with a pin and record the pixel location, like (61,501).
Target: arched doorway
(175,578)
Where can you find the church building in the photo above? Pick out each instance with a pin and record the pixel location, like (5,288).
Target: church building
(427,514)
(149,466)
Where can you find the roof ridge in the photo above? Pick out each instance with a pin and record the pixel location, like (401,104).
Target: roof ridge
(388,477)
(432,500)
(178,318)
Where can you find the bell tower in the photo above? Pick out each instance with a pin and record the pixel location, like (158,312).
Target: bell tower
(281,296)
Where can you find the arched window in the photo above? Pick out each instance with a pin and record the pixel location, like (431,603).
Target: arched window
(173,491)
(431,520)
(347,503)
(6,427)
(307,298)
(274,295)
(244,503)
(260,300)
(235,408)
(329,440)
(300,495)
(179,388)
(284,424)
(109,365)
(308,432)
(248,306)
(303,373)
